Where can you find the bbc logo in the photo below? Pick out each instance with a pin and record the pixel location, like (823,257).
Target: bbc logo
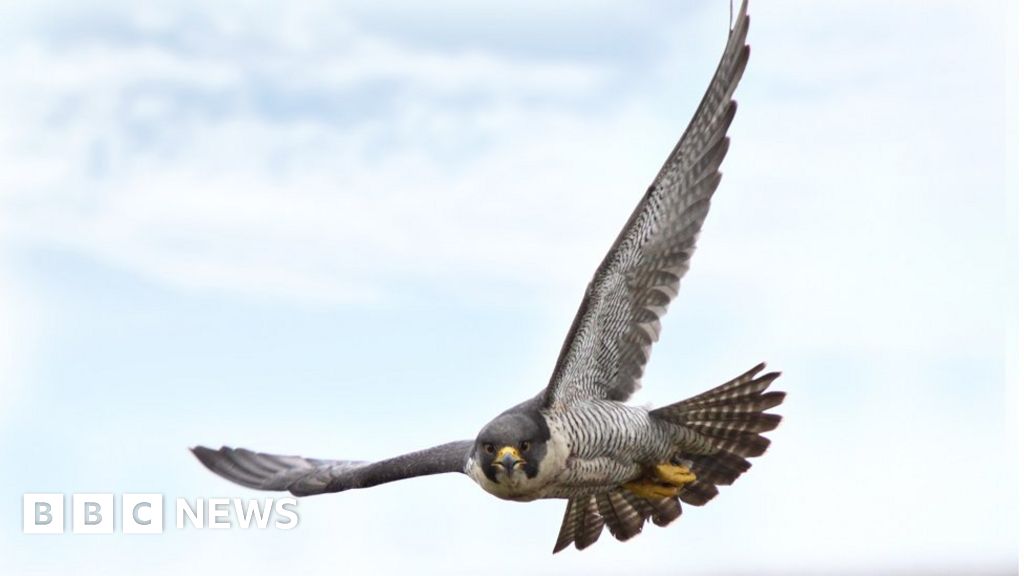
(93,513)
(144,513)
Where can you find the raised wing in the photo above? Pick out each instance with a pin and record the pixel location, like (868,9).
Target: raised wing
(308,476)
(610,340)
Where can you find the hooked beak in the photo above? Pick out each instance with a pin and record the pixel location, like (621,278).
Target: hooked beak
(507,457)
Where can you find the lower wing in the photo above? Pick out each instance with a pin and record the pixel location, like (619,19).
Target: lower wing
(308,476)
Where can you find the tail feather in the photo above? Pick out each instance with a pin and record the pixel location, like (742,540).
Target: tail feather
(755,403)
(625,520)
(567,533)
(623,512)
(746,387)
(730,419)
(698,493)
(589,524)
(665,511)
(662,512)
(722,468)
(747,446)
(582,523)
(727,429)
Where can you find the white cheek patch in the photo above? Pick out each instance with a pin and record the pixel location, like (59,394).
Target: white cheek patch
(553,464)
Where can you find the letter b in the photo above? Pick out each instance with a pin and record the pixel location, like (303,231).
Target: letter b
(43,514)
(92,513)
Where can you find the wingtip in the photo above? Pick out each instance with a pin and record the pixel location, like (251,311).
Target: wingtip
(737,16)
(200,452)
(741,14)
(208,456)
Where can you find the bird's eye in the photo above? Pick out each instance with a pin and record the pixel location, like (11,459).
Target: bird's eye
(524,445)
(489,448)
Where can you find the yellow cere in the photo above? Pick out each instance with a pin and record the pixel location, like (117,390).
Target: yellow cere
(508,451)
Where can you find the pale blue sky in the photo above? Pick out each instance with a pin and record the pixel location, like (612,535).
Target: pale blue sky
(352,231)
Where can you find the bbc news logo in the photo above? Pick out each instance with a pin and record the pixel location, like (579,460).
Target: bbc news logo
(144,513)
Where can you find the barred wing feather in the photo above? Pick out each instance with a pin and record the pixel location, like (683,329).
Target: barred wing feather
(610,340)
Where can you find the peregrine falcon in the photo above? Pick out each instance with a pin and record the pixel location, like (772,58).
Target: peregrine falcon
(617,465)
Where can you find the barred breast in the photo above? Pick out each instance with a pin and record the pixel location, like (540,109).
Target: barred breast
(606,443)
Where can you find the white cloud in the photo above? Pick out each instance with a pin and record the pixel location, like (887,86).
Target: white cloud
(169,164)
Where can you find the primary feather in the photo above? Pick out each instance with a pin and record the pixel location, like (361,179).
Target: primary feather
(610,340)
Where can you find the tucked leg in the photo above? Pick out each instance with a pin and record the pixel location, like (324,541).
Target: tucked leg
(662,481)
(673,475)
(651,490)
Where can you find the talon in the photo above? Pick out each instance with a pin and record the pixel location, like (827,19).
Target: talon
(677,476)
(661,481)
(651,490)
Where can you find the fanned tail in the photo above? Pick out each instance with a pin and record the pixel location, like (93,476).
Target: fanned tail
(731,418)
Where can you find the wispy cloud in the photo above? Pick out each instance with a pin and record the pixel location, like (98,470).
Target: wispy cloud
(283,175)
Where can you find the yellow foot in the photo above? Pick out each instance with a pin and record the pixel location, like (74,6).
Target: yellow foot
(651,490)
(673,475)
(663,481)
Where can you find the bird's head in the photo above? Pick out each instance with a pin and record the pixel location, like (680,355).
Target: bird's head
(512,446)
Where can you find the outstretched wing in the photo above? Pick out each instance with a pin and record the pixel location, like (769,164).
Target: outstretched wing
(610,340)
(307,476)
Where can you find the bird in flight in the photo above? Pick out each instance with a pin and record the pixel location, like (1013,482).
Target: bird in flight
(617,465)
